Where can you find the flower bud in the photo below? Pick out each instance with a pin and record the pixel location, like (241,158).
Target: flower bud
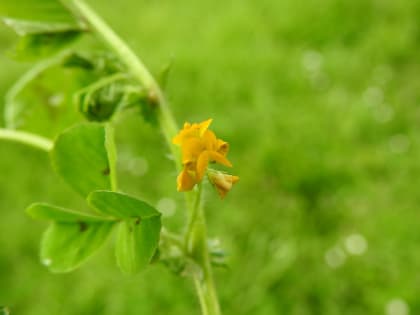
(222,182)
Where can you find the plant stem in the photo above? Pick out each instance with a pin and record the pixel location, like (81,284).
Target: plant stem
(196,238)
(26,138)
(197,247)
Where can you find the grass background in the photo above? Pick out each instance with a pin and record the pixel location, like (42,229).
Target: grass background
(320,102)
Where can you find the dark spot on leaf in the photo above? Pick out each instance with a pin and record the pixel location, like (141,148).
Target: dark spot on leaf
(83,226)
(106,171)
(137,222)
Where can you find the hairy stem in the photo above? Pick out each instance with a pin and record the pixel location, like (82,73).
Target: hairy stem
(196,238)
(26,138)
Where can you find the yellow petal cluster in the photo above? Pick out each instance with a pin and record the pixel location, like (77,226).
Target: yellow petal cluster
(199,147)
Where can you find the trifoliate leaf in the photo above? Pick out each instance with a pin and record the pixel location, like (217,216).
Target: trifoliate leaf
(80,157)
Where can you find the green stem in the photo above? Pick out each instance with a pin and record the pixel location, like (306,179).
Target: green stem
(26,138)
(197,231)
(197,247)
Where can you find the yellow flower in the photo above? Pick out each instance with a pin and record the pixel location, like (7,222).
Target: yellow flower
(199,147)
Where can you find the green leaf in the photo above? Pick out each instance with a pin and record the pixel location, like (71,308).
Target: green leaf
(80,157)
(98,101)
(77,60)
(45,26)
(44,211)
(138,234)
(164,74)
(67,245)
(36,46)
(120,205)
(41,100)
(46,11)
(31,27)
(46,92)
(137,242)
(149,111)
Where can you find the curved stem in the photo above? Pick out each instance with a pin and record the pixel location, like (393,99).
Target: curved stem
(134,64)
(26,138)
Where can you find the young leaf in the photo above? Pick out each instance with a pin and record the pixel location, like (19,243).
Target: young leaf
(119,205)
(164,74)
(67,245)
(137,242)
(80,157)
(36,46)
(77,60)
(99,101)
(44,211)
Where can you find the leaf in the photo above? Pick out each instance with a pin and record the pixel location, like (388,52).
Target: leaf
(47,11)
(65,246)
(137,242)
(149,111)
(138,234)
(37,46)
(77,60)
(164,74)
(80,157)
(120,205)
(41,100)
(44,211)
(45,27)
(99,101)
(31,27)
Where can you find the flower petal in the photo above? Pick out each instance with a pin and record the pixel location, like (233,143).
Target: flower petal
(185,181)
(202,163)
(219,158)
(222,147)
(191,149)
(203,126)
(210,140)
(189,130)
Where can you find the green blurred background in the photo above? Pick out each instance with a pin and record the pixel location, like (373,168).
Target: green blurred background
(320,103)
